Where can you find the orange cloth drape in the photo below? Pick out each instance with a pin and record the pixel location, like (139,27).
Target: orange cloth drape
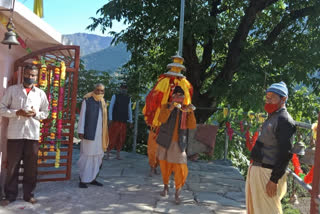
(160,94)
(180,173)
(117,135)
(152,149)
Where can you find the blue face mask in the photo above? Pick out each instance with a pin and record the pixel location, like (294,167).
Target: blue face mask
(28,81)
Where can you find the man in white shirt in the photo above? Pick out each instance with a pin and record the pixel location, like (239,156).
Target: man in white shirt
(93,132)
(25,105)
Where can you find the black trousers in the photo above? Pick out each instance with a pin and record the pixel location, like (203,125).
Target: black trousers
(17,150)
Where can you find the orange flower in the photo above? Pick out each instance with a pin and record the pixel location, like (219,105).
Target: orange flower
(51,148)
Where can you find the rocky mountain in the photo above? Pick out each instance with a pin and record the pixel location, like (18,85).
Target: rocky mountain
(98,53)
(89,43)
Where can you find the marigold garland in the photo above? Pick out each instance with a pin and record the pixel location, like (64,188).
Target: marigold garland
(241,126)
(229,130)
(42,82)
(56,100)
(54,108)
(60,110)
(298,171)
(250,142)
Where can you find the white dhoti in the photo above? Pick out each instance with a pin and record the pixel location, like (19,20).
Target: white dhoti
(91,152)
(257,200)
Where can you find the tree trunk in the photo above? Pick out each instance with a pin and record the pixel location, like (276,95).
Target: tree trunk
(205,106)
(195,70)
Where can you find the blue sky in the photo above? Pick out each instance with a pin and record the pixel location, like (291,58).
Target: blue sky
(71,16)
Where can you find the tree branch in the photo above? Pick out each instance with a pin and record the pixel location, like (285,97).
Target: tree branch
(191,61)
(236,45)
(206,75)
(208,46)
(207,55)
(214,8)
(287,19)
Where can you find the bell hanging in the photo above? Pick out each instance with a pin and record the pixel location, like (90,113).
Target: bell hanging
(10,37)
(308,158)
(298,148)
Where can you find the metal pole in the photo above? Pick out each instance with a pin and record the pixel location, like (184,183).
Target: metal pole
(297,179)
(316,174)
(135,132)
(181,27)
(226,142)
(136,119)
(226,145)
(303,125)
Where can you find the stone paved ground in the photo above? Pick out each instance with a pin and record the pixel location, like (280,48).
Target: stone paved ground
(214,188)
(303,205)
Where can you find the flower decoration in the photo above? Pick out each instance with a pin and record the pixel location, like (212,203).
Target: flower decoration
(307,178)
(55,94)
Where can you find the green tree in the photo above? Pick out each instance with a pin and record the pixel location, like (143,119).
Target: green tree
(304,105)
(233,49)
(87,79)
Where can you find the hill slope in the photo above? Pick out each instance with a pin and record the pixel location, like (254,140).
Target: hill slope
(89,43)
(109,59)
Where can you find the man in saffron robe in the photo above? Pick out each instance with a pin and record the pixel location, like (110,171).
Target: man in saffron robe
(172,140)
(120,114)
(266,179)
(93,132)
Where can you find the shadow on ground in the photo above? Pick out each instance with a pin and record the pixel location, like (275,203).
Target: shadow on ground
(212,187)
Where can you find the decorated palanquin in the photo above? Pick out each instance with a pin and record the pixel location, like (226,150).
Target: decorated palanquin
(163,89)
(58,77)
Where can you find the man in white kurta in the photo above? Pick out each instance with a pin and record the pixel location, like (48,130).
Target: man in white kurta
(92,130)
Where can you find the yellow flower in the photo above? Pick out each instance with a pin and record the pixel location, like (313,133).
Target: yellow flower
(251,115)
(314,130)
(225,112)
(261,118)
(63,70)
(51,148)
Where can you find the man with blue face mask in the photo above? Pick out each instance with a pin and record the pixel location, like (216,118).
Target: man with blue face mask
(25,105)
